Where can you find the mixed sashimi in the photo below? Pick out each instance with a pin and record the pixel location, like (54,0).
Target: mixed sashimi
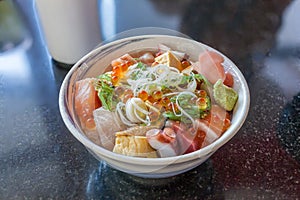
(157,103)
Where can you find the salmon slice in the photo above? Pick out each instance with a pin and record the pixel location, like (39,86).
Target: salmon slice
(210,66)
(86,101)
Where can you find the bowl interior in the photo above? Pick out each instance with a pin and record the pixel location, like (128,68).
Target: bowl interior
(99,59)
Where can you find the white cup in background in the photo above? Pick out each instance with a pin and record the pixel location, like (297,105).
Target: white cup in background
(71,27)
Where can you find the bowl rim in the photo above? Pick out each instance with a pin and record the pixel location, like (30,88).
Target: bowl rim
(233,129)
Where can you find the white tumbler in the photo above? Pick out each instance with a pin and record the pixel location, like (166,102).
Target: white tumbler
(71,27)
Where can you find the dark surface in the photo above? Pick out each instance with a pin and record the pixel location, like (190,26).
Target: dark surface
(40,159)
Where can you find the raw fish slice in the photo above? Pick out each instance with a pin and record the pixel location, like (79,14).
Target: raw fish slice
(86,101)
(126,59)
(147,58)
(210,137)
(107,124)
(218,120)
(210,66)
(214,124)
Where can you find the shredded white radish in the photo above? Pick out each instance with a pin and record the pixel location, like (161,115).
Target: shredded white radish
(119,113)
(171,94)
(152,107)
(137,107)
(182,110)
(141,119)
(154,78)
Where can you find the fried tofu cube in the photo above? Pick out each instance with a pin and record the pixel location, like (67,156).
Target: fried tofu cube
(136,146)
(168,58)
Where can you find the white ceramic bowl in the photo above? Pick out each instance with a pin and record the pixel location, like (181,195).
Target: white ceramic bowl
(95,63)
